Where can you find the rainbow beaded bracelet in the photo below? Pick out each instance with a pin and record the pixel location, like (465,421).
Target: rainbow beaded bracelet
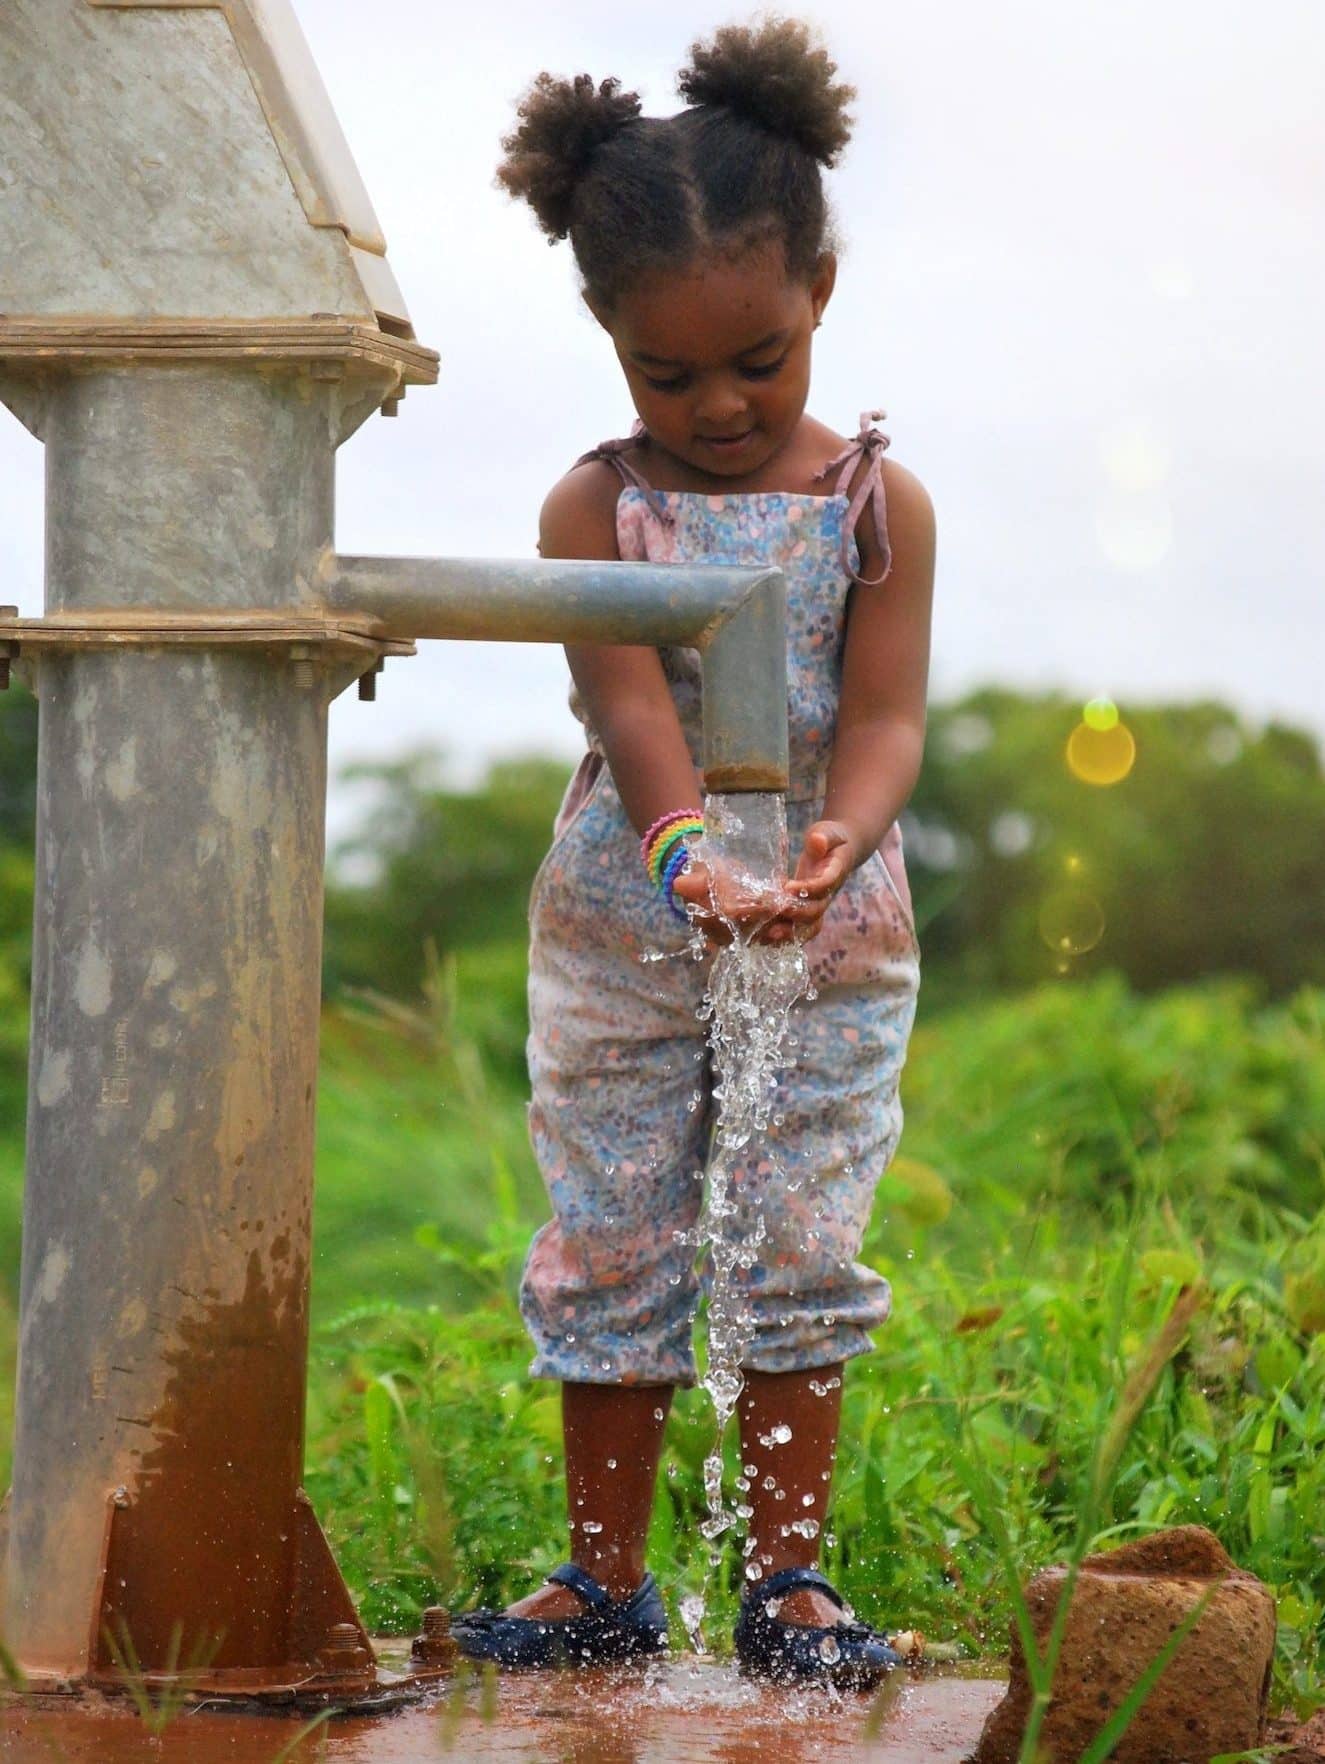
(665,852)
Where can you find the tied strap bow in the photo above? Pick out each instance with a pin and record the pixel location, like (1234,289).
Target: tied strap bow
(870,444)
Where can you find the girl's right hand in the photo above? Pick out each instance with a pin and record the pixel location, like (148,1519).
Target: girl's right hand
(721,898)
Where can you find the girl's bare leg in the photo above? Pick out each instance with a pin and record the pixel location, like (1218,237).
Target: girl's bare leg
(791,1480)
(613,1435)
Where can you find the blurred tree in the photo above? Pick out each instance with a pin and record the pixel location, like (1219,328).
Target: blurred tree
(454,866)
(18,767)
(18,808)
(1208,857)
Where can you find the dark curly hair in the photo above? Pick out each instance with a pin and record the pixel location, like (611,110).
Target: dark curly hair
(741,165)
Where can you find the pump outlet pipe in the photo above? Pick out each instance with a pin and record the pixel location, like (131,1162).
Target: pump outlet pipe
(735,617)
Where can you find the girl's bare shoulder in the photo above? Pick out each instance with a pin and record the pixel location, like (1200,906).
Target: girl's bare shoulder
(910,519)
(578,517)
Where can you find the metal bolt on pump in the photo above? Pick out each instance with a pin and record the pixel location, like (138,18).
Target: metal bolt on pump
(196,310)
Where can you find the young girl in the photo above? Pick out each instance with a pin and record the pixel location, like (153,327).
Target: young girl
(705,251)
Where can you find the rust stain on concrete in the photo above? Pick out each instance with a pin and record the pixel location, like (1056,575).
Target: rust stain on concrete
(207,1534)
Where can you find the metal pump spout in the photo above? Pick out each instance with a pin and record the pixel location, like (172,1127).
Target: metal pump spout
(735,617)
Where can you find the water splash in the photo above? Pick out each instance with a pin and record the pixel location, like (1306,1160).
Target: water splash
(747,1006)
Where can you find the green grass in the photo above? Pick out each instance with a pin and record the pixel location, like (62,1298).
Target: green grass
(1075,1160)
(1041,1131)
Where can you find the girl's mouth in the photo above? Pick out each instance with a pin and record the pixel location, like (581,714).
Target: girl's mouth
(726,444)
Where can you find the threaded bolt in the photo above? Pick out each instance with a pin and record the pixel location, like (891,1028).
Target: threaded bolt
(341,1648)
(434,1646)
(301,656)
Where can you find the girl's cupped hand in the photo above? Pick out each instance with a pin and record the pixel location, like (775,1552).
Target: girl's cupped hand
(780,910)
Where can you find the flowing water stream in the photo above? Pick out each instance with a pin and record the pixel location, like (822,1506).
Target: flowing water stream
(747,1008)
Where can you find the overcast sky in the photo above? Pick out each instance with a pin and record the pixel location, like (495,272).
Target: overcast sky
(1084,274)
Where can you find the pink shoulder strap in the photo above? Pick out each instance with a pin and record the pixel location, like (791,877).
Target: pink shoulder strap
(870,444)
(614,453)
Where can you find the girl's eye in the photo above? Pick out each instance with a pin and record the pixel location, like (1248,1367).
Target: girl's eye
(765,370)
(677,385)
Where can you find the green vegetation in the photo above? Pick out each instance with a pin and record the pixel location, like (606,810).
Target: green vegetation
(1206,858)
(1077,1159)
(1127,1152)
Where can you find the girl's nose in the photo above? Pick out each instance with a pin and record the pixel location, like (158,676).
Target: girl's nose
(721,407)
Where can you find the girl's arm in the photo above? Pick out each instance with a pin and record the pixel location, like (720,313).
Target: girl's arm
(630,703)
(622,685)
(881,715)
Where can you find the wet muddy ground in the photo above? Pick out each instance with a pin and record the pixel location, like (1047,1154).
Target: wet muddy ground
(683,1712)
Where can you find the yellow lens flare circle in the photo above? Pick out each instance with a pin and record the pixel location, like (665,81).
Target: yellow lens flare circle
(1070,922)
(1101,756)
(1100,714)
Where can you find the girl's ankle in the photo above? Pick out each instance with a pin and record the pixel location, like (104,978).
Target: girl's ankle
(618,1576)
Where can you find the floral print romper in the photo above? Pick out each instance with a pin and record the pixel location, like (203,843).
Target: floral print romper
(621,1110)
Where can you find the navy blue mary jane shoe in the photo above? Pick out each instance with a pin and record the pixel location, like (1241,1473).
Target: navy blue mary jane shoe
(851,1656)
(609,1630)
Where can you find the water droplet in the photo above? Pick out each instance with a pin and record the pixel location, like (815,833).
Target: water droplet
(591,1526)
(829,1650)
(692,1615)
(753,1571)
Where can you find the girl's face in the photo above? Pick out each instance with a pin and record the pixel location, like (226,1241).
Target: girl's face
(717,356)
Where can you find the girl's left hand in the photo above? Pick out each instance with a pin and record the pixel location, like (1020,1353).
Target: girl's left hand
(827,859)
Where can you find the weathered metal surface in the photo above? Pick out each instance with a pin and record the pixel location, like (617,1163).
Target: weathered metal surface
(150,177)
(735,617)
(164,1287)
(544,600)
(64,342)
(745,696)
(199,486)
(294,101)
(139,628)
(176,980)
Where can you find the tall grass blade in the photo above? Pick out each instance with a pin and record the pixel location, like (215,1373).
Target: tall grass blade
(10,1670)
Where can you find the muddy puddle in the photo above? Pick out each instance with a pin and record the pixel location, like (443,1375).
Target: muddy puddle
(681,1712)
